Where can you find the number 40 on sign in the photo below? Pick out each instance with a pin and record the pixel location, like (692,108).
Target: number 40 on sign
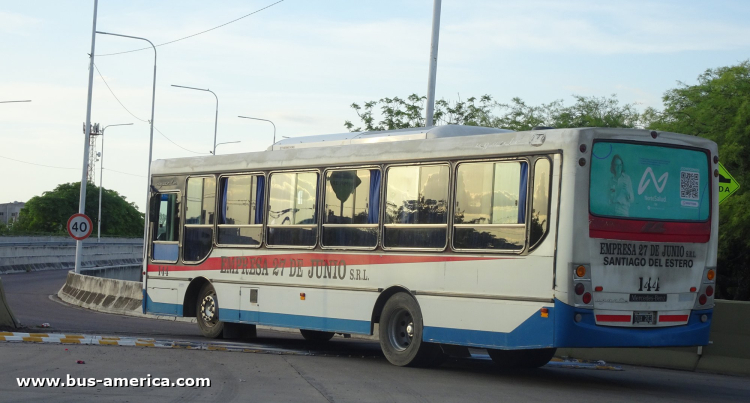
(79,226)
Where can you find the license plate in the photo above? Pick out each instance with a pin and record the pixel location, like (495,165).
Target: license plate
(648,318)
(648,297)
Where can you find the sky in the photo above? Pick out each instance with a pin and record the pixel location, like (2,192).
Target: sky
(301,64)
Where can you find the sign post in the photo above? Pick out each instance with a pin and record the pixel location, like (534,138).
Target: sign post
(727,184)
(79,226)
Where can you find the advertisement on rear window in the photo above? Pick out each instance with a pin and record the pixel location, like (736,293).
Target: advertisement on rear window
(649,182)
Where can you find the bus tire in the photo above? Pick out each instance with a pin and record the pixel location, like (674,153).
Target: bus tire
(316,335)
(400,334)
(207,313)
(511,359)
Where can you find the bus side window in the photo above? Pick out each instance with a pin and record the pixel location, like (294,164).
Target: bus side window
(416,206)
(540,202)
(292,215)
(350,216)
(166,220)
(490,210)
(240,215)
(199,218)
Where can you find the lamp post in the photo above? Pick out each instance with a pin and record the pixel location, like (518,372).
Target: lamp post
(8,102)
(432,76)
(216,119)
(150,153)
(226,142)
(265,120)
(87,129)
(101,179)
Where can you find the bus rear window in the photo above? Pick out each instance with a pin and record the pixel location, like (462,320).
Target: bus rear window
(649,182)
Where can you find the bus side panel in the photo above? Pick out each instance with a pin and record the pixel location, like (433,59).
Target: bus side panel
(326,310)
(487,323)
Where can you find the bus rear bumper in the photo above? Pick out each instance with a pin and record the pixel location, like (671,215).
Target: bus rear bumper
(586,333)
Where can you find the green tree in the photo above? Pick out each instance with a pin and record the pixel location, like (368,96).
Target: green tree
(718,108)
(398,113)
(49,212)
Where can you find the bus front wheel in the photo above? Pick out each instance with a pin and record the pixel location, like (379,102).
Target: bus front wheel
(207,313)
(400,334)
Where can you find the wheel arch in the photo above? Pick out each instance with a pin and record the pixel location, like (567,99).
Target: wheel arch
(191,296)
(384,296)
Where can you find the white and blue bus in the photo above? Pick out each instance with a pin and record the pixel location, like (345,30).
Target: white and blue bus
(443,238)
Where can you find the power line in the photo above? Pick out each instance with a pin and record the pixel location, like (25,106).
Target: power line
(131,113)
(199,33)
(31,163)
(124,173)
(113,94)
(170,140)
(50,166)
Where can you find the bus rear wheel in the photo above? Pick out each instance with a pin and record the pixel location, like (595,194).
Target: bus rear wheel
(207,313)
(316,335)
(400,334)
(510,359)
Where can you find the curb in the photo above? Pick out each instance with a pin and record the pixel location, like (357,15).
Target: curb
(84,339)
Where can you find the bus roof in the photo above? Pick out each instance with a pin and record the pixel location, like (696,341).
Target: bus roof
(409,145)
(415,133)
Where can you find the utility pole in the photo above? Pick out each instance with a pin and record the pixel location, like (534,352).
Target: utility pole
(432,76)
(82,197)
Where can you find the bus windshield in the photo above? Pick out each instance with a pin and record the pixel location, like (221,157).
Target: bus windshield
(649,182)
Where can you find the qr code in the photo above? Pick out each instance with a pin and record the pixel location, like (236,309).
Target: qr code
(689,185)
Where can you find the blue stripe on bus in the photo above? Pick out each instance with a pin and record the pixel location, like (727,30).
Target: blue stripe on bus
(296,321)
(587,333)
(534,332)
(161,308)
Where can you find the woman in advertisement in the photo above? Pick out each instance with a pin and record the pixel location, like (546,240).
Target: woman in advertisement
(620,188)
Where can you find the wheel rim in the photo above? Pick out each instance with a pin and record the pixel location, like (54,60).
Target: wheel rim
(401,330)
(208,310)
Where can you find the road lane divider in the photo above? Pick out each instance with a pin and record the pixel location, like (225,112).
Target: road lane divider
(84,339)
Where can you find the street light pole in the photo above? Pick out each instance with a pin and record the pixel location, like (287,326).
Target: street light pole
(101,179)
(216,119)
(432,77)
(226,142)
(150,154)
(265,120)
(8,102)
(84,175)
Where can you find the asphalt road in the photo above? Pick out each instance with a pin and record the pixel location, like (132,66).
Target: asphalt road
(342,371)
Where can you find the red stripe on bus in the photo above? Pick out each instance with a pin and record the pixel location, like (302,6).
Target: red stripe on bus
(649,231)
(673,318)
(248,262)
(613,318)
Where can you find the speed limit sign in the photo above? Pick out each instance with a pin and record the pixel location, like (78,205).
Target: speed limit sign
(79,226)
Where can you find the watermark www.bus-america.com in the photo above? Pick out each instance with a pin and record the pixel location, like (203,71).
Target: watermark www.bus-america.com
(147,382)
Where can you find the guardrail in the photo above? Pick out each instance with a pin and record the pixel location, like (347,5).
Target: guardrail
(19,254)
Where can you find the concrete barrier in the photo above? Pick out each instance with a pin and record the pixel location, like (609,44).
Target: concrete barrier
(728,353)
(23,254)
(7,319)
(107,295)
(102,294)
